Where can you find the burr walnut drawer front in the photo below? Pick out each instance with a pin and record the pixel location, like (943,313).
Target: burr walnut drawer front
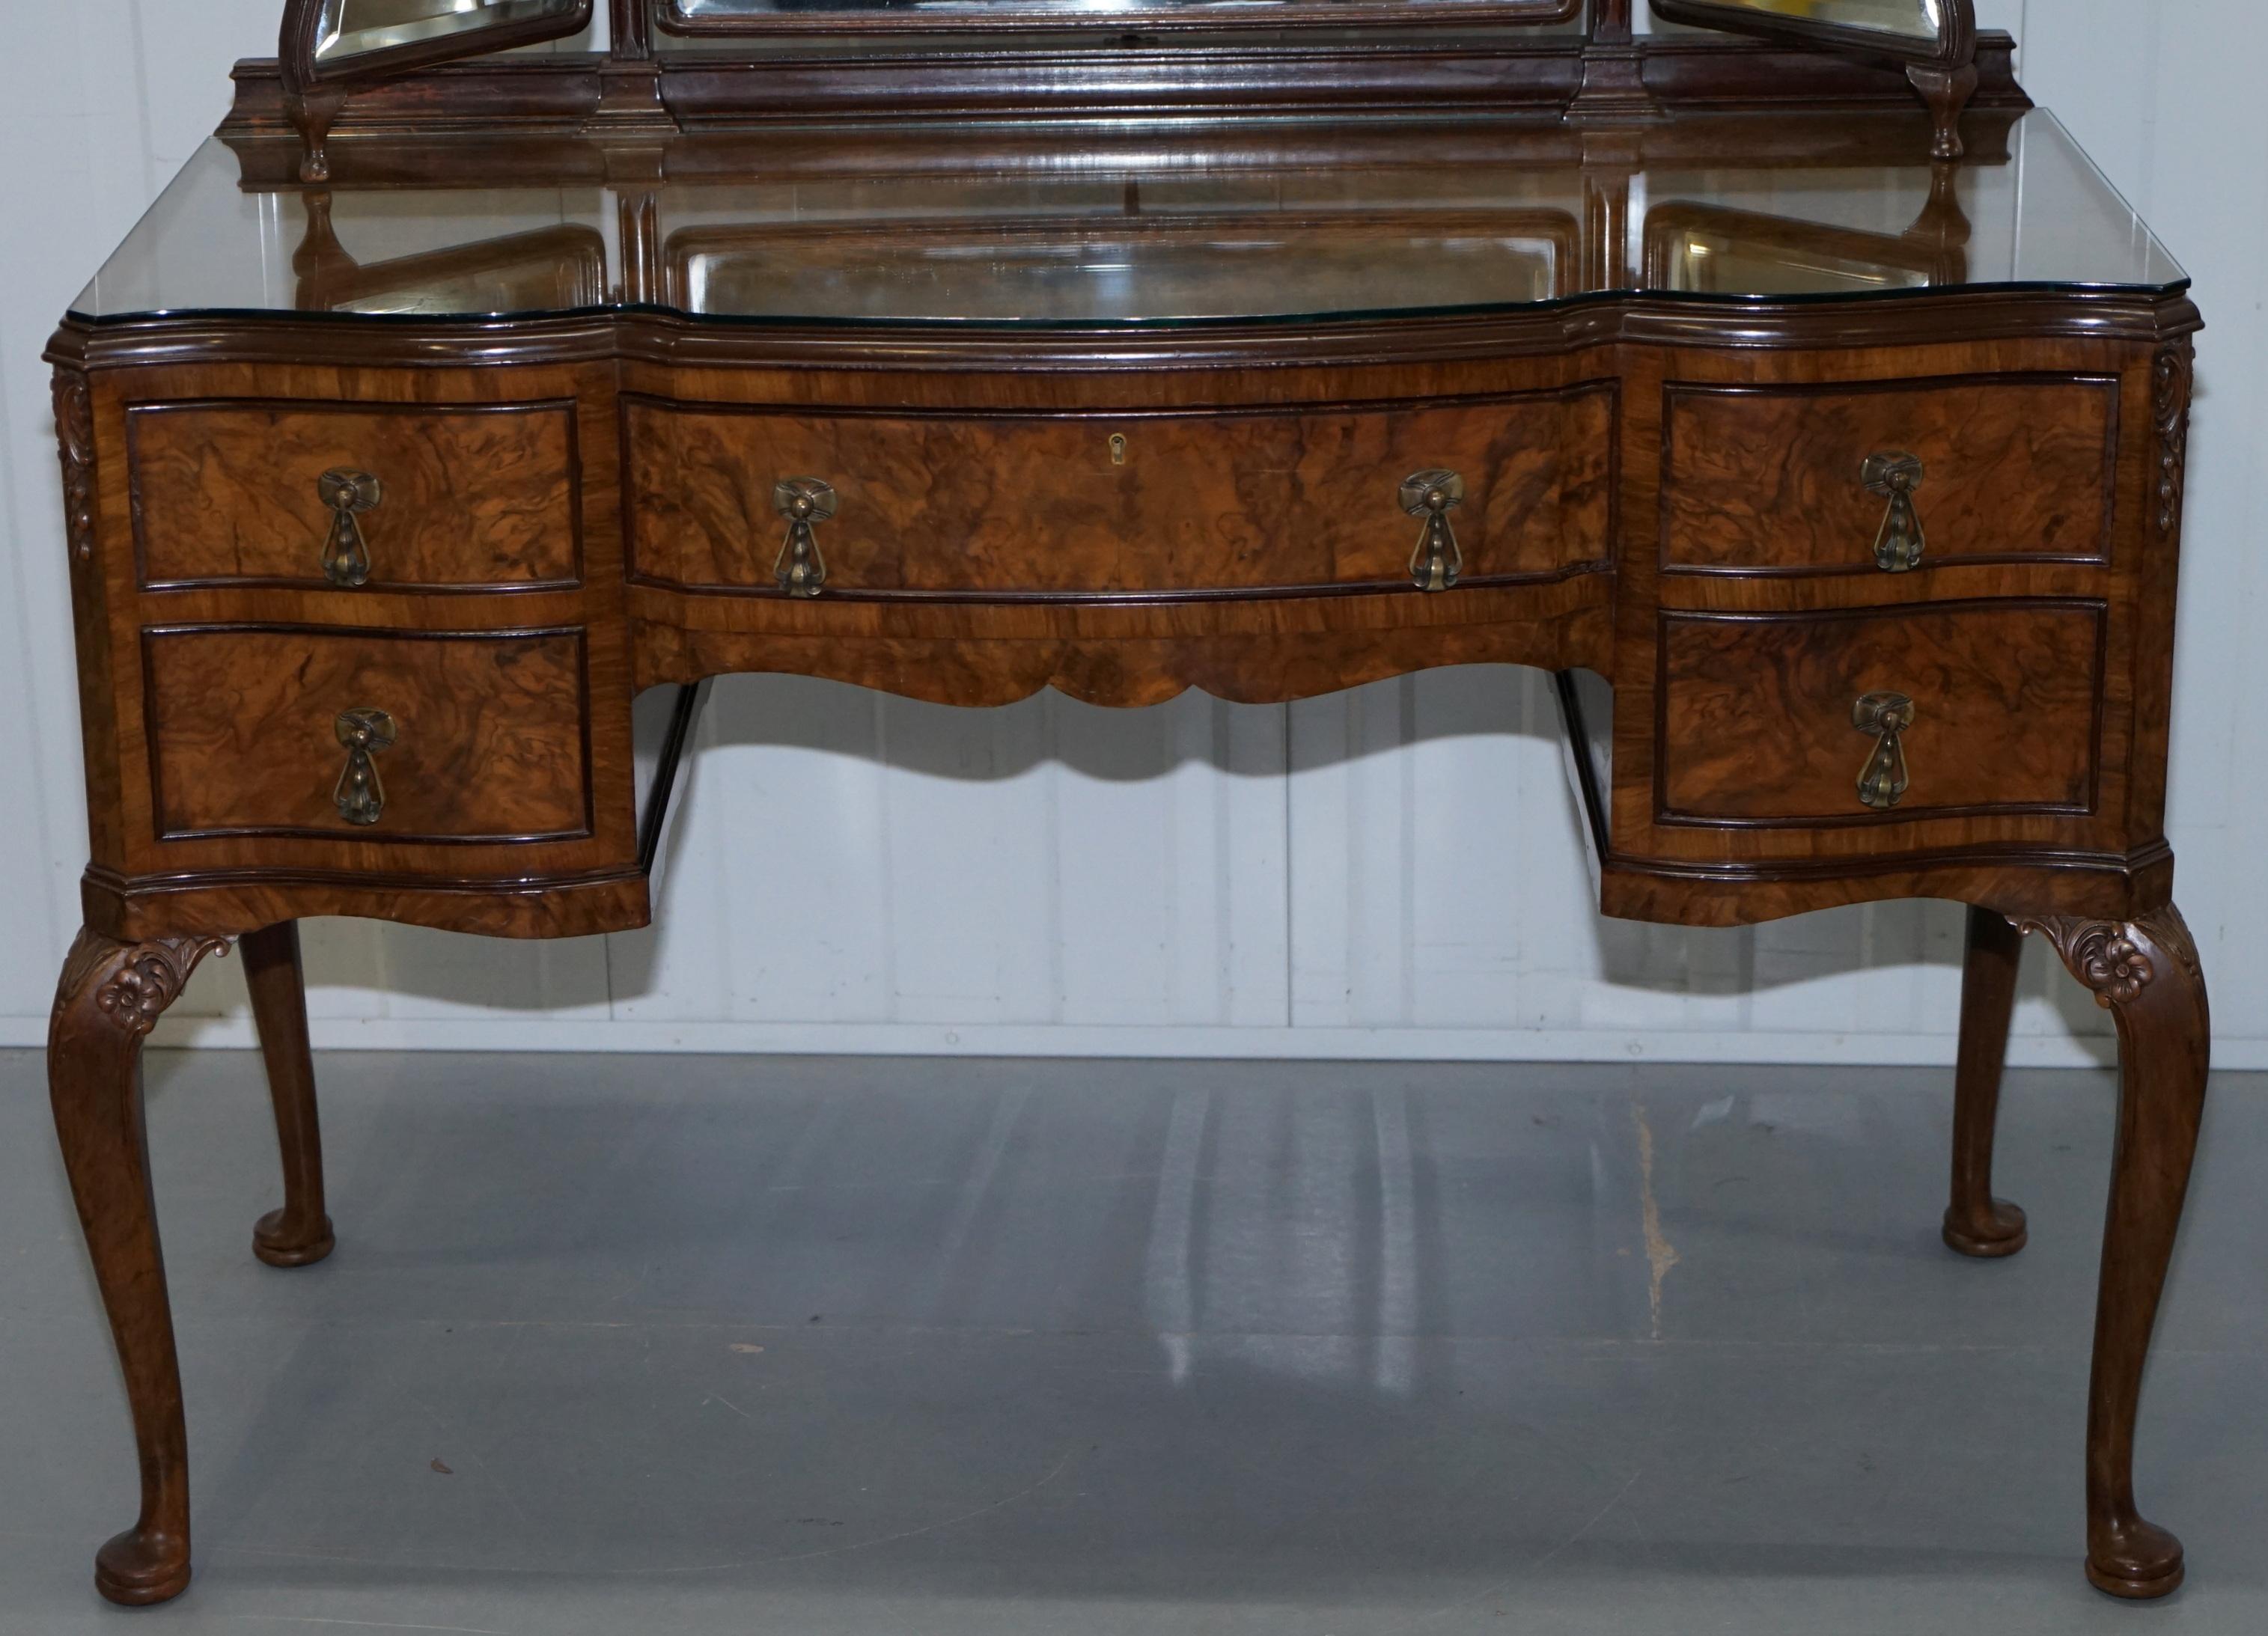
(387,495)
(368,735)
(1464,491)
(1884,477)
(1863,716)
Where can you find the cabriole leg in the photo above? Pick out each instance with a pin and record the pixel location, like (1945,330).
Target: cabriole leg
(299,1233)
(110,997)
(1976,1223)
(2146,970)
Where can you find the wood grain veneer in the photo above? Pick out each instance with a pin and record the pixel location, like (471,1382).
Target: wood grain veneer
(475,495)
(147,876)
(1766,479)
(987,547)
(2103,854)
(1045,506)
(1754,725)
(491,742)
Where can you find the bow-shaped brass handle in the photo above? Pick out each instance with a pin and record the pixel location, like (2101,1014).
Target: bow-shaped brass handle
(346,554)
(365,731)
(803,501)
(1432,495)
(1882,780)
(1898,542)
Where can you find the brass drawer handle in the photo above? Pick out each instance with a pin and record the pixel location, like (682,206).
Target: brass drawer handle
(1882,780)
(1898,544)
(363,731)
(346,554)
(804,502)
(1432,495)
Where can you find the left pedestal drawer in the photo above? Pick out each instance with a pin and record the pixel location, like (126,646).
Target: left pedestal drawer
(423,496)
(377,735)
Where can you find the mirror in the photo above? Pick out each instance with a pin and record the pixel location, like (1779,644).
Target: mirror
(1933,41)
(347,29)
(1911,19)
(328,47)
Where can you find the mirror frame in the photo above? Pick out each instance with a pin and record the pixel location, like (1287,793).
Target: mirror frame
(1943,71)
(314,92)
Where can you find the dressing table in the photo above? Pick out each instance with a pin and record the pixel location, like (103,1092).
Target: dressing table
(1796,391)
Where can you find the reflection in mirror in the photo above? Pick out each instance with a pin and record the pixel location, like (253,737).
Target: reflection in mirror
(353,28)
(554,268)
(1698,250)
(554,271)
(1911,19)
(1710,249)
(1062,272)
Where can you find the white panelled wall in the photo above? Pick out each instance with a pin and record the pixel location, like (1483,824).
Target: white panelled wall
(1392,872)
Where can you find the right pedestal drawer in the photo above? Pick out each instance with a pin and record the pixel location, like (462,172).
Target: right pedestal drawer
(1858,716)
(1800,479)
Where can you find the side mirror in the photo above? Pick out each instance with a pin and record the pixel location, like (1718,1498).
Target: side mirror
(330,46)
(1933,41)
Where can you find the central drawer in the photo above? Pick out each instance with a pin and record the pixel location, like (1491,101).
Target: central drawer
(1144,505)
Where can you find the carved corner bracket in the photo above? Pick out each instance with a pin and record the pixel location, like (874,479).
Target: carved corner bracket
(2172,382)
(75,440)
(2120,960)
(2101,953)
(132,983)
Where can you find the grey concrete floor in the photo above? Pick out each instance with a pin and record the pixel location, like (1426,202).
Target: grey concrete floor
(617,1344)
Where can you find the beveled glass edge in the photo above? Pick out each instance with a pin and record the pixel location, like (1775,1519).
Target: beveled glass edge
(2180,286)
(2102,179)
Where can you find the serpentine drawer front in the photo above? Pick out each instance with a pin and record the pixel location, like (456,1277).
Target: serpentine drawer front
(411,495)
(362,735)
(1843,717)
(1803,479)
(1096,506)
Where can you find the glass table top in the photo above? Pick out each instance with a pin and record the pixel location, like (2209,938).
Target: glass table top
(1209,226)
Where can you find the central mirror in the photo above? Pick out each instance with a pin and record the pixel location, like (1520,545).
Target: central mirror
(355,28)
(742,16)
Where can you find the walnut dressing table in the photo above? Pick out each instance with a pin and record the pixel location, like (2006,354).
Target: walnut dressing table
(442,428)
